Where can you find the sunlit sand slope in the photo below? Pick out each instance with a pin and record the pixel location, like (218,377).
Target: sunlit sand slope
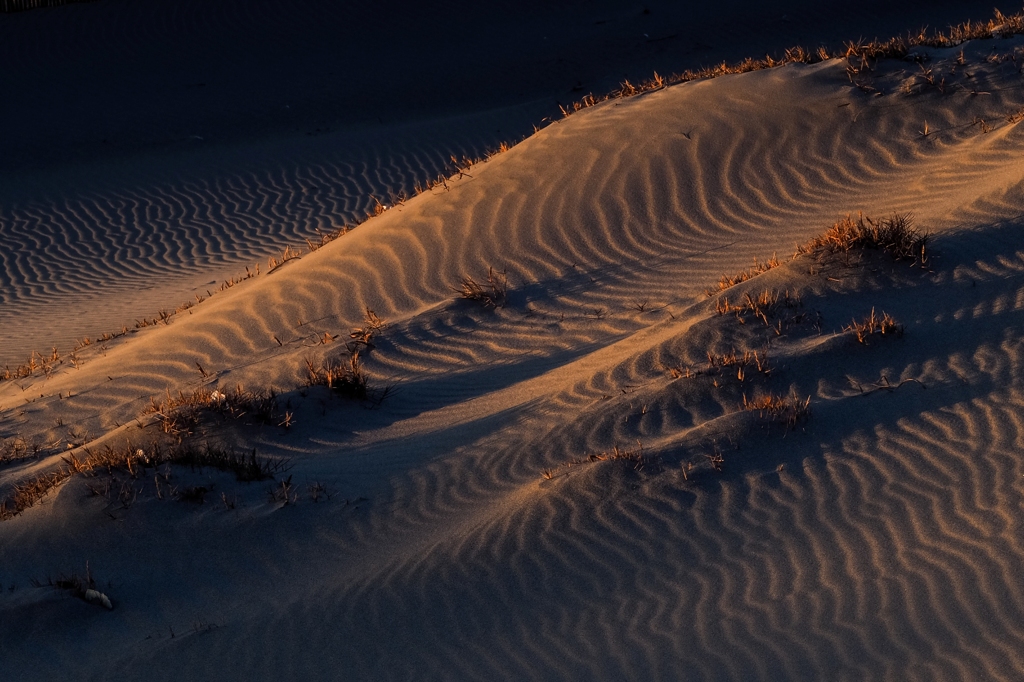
(153,150)
(562,487)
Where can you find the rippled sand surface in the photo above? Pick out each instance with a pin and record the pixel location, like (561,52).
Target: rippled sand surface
(562,486)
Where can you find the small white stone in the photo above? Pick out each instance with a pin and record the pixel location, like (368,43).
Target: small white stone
(97,597)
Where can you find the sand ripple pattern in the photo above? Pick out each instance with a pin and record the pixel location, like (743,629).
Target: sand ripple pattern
(888,547)
(124,249)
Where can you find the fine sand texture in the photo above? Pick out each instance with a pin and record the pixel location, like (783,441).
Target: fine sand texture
(611,426)
(154,149)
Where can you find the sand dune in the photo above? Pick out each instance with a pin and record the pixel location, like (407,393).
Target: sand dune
(471,535)
(155,187)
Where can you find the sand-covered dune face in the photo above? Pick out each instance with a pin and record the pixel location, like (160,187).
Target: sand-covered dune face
(156,149)
(572,484)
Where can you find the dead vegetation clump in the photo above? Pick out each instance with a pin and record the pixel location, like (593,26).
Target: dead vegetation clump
(179,415)
(491,294)
(860,56)
(325,238)
(30,492)
(372,325)
(135,462)
(37,363)
(767,305)
(728,281)
(786,410)
(635,456)
(895,236)
(17,448)
(342,376)
(246,466)
(286,255)
(719,363)
(872,324)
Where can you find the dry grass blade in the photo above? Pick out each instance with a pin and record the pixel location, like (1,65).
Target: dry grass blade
(726,281)
(779,409)
(372,324)
(872,324)
(896,236)
(180,415)
(29,493)
(635,456)
(492,294)
(345,377)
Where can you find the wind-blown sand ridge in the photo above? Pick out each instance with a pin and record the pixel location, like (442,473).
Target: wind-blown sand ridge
(878,538)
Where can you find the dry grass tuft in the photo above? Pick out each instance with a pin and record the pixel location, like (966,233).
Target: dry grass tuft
(136,461)
(29,493)
(635,456)
(873,324)
(491,295)
(896,236)
(718,365)
(726,281)
(764,306)
(345,377)
(326,237)
(17,448)
(789,411)
(179,415)
(274,263)
(372,324)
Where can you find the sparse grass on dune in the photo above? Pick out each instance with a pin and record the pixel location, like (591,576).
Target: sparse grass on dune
(372,325)
(872,324)
(759,266)
(635,456)
(786,410)
(742,364)
(343,376)
(135,461)
(860,56)
(179,415)
(17,448)
(895,236)
(777,309)
(491,294)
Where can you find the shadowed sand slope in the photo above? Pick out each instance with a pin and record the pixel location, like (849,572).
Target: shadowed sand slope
(570,485)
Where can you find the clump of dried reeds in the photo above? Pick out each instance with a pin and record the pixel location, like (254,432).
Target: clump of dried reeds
(491,294)
(135,461)
(372,325)
(872,324)
(759,266)
(787,410)
(895,236)
(179,415)
(341,375)
(635,456)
